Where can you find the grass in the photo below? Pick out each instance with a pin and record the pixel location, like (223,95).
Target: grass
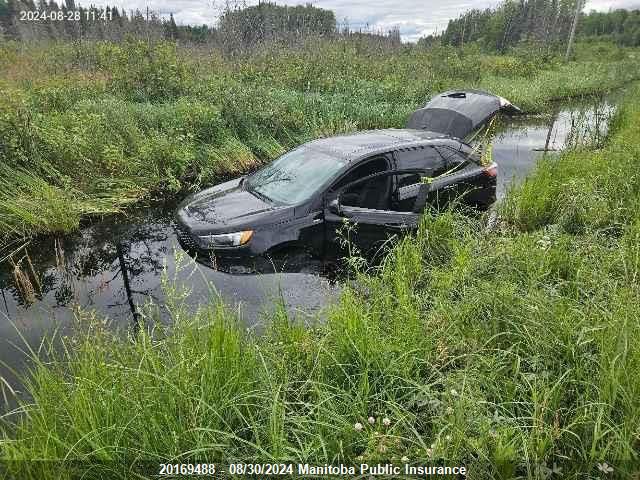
(513,351)
(131,121)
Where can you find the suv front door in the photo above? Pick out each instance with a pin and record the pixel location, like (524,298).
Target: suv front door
(362,212)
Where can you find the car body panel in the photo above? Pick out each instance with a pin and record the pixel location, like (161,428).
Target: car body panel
(372,228)
(459,113)
(230,209)
(359,145)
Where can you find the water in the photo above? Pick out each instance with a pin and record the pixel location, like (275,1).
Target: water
(88,270)
(116,265)
(521,141)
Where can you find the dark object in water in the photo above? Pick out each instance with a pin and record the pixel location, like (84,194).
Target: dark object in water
(381,180)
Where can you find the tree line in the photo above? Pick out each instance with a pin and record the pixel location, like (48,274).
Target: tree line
(511,23)
(621,26)
(239,26)
(265,21)
(108,23)
(540,21)
(268,21)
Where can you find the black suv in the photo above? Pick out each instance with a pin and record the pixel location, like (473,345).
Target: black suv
(381,180)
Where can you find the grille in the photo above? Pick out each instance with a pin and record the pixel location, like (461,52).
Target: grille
(185,237)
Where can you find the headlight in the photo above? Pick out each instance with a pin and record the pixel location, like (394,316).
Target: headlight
(226,239)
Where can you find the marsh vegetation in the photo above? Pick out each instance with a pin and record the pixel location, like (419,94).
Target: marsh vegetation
(90,128)
(512,350)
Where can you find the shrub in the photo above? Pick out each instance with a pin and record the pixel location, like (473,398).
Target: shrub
(144,71)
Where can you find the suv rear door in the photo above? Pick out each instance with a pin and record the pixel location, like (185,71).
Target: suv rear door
(467,181)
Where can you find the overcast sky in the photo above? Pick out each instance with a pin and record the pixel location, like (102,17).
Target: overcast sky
(415,18)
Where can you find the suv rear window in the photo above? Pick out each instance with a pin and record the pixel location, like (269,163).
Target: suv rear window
(451,156)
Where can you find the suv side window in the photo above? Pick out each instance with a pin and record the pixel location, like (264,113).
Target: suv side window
(424,158)
(452,157)
(369,167)
(377,194)
(374,193)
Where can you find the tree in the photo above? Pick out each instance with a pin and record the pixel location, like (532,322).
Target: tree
(619,25)
(574,25)
(546,22)
(171,29)
(268,21)
(5,18)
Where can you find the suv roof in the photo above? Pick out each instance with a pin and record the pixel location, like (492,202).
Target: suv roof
(359,144)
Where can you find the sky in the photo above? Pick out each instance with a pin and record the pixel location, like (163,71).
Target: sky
(414,18)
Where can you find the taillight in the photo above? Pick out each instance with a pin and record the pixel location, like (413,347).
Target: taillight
(491,170)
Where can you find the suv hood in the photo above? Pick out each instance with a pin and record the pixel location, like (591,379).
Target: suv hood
(459,113)
(227,208)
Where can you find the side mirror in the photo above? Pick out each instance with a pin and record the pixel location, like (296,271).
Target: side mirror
(335,207)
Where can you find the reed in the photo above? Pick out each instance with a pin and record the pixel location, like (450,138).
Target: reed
(514,352)
(133,120)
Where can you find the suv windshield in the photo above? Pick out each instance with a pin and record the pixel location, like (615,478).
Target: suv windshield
(295,176)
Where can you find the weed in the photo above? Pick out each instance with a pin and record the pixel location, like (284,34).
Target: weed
(98,125)
(514,352)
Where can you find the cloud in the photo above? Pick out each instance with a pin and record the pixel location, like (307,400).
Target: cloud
(604,5)
(414,18)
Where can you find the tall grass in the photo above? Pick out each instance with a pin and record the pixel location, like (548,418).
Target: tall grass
(123,121)
(513,351)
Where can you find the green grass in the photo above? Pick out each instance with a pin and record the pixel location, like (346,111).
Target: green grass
(123,122)
(508,350)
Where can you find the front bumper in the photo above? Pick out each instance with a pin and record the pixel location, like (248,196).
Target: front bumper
(242,260)
(230,259)
(189,243)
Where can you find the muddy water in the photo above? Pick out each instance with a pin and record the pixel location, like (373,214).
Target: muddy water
(115,266)
(521,141)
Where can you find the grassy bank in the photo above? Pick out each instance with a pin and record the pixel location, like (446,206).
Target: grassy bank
(88,128)
(514,351)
